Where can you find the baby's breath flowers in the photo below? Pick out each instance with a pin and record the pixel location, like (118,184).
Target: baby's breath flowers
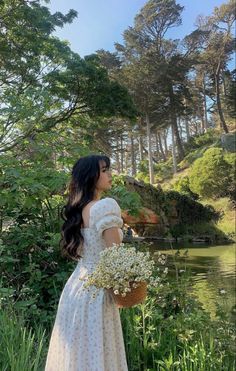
(120,265)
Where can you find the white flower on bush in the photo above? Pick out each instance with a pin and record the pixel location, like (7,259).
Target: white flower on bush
(120,265)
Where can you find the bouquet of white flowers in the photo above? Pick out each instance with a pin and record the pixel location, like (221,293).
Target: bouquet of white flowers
(125,272)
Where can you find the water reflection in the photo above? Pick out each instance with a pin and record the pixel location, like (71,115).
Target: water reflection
(212,269)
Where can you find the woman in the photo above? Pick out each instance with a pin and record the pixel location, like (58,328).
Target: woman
(87,333)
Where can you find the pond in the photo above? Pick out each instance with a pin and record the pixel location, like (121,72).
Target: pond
(212,270)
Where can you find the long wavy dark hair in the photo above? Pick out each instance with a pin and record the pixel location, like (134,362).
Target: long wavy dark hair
(85,174)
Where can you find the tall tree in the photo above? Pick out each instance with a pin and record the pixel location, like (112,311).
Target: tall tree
(168,68)
(214,38)
(42,82)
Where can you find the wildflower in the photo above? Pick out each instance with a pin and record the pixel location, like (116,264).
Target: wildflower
(120,265)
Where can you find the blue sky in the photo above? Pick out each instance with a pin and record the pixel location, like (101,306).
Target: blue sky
(100,23)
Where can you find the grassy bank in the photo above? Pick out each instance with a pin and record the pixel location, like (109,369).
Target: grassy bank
(170,331)
(21,348)
(227,222)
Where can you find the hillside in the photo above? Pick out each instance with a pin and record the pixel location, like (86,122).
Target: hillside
(224,202)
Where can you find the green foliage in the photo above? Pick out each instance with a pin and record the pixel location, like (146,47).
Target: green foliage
(197,145)
(30,193)
(191,157)
(143,171)
(231,188)
(210,175)
(202,140)
(40,74)
(143,176)
(230,159)
(182,186)
(20,347)
(31,199)
(130,201)
(163,170)
(33,272)
(171,331)
(231,95)
(189,212)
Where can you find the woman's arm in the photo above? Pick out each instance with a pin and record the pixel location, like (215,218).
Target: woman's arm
(112,235)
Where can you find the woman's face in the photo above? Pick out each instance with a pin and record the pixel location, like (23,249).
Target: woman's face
(105,180)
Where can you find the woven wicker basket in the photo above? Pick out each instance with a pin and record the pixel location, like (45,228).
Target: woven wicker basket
(135,296)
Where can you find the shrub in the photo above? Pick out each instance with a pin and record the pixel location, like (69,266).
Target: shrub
(190,211)
(163,170)
(210,175)
(182,186)
(191,157)
(202,140)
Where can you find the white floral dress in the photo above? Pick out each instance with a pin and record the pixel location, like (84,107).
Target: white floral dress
(87,333)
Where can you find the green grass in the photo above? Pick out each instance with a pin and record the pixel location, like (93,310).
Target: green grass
(156,337)
(21,349)
(188,341)
(227,222)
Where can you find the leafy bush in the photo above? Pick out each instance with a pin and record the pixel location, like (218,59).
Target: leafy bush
(190,211)
(191,157)
(231,189)
(197,145)
(182,186)
(210,176)
(143,171)
(142,176)
(32,273)
(163,170)
(202,140)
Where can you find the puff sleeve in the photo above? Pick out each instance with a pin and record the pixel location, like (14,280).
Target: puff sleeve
(108,215)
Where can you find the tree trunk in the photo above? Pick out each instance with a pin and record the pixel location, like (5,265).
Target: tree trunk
(165,135)
(173,151)
(175,126)
(153,158)
(158,154)
(187,129)
(126,160)
(150,162)
(218,100)
(117,155)
(161,147)
(140,146)
(186,123)
(204,103)
(224,90)
(202,121)
(121,155)
(132,150)
(180,129)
